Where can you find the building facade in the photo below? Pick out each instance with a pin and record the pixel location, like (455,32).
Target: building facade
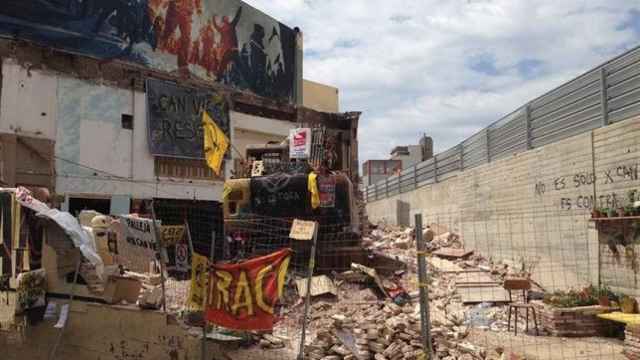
(76,120)
(374,171)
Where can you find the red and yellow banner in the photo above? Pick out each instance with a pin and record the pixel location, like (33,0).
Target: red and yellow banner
(242,296)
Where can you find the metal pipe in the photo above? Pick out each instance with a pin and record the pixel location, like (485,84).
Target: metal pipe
(160,246)
(425,321)
(52,355)
(212,252)
(307,301)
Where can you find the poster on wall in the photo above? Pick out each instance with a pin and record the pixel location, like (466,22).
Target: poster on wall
(174,118)
(327,189)
(226,41)
(300,143)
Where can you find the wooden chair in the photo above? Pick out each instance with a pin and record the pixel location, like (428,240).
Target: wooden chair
(516,284)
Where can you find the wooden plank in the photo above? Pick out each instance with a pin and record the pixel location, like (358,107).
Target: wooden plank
(444,266)
(449,253)
(479,294)
(629,319)
(474,278)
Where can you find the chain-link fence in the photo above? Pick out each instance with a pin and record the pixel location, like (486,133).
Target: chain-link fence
(543,284)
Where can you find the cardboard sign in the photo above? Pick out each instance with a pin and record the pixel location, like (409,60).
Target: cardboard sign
(172,234)
(300,143)
(182,257)
(303,230)
(243,296)
(136,242)
(327,189)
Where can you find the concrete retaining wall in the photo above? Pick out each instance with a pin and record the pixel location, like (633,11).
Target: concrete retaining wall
(534,207)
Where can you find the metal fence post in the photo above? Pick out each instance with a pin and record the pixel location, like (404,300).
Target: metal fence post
(527,119)
(205,325)
(435,168)
(160,254)
(386,187)
(488,145)
(604,96)
(425,321)
(307,299)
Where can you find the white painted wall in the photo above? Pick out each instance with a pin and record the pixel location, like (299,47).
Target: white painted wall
(28,102)
(100,158)
(244,129)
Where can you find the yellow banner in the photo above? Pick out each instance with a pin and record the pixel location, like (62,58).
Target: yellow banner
(172,234)
(199,280)
(215,143)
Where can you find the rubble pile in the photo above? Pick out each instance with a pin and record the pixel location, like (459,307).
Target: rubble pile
(383,330)
(632,342)
(373,332)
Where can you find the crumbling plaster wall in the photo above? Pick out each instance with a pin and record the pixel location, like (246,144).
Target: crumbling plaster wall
(84,119)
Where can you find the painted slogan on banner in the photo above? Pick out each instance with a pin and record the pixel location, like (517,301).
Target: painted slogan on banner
(243,296)
(226,41)
(174,118)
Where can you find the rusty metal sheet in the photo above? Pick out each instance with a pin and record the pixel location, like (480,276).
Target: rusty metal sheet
(448,253)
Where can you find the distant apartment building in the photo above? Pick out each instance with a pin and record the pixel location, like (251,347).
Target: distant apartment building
(407,155)
(374,171)
(402,157)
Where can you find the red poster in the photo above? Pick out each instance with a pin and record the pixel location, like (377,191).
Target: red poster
(242,296)
(327,189)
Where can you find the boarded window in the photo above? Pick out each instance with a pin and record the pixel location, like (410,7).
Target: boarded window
(184,169)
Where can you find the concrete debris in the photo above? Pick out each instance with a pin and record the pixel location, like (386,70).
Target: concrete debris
(150,297)
(384,330)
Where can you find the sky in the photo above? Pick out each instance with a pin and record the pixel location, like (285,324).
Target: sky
(449,68)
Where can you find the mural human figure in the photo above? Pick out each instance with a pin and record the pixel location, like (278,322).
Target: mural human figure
(129,18)
(258,58)
(179,14)
(209,58)
(228,41)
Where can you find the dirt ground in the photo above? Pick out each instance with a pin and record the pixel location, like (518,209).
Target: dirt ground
(550,348)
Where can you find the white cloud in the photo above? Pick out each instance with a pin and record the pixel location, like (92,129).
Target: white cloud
(408,64)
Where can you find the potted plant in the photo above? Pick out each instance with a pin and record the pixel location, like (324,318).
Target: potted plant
(620,212)
(595,213)
(31,294)
(628,305)
(631,196)
(611,213)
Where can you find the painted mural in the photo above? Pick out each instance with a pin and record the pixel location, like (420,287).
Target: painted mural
(225,41)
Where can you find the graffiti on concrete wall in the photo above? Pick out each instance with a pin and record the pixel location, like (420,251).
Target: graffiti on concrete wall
(224,40)
(583,183)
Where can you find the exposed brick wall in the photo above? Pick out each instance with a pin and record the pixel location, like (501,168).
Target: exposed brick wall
(573,322)
(632,342)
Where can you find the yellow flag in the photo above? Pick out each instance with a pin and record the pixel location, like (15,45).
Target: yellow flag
(199,280)
(216,143)
(226,190)
(312,185)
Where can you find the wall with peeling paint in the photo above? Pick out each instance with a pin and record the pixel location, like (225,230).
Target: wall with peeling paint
(95,155)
